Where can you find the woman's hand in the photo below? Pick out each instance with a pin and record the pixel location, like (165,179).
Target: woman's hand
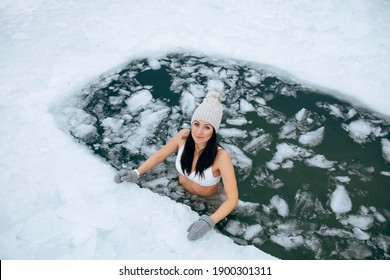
(199,228)
(126,176)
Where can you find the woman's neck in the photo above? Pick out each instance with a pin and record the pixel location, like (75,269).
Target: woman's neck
(199,148)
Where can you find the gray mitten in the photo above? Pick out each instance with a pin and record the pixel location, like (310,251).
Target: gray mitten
(199,228)
(126,176)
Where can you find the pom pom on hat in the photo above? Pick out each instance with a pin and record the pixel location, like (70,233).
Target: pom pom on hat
(213,94)
(210,110)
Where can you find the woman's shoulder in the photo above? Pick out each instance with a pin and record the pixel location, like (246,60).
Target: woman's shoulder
(181,136)
(222,155)
(223,160)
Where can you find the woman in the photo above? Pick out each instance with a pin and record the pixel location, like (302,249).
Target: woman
(200,163)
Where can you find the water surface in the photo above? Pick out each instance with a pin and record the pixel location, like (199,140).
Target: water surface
(311,169)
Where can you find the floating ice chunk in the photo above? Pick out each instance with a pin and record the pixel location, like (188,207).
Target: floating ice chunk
(252,231)
(150,120)
(77,116)
(124,92)
(286,151)
(113,123)
(115,100)
(340,202)
(164,181)
(314,244)
(385,173)
(83,130)
(343,179)
(319,161)
(359,130)
(280,205)
(216,85)
(288,164)
(271,116)
(261,142)
(325,231)
(272,165)
(351,113)
(288,92)
(188,103)
(356,250)
(238,121)
(300,116)
(333,109)
(359,234)
(265,179)
(232,132)
(154,64)
(254,79)
(245,106)
(260,101)
(362,222)
(290,228)
(246,208)
(379,217)
(288,242)
(364,210)
(312,138)
(205,71)
(238,156)
(304,203)
(336,111)
(234,227)
(189,69)
(139,100)
(197,90)
(288,131)
(386,149)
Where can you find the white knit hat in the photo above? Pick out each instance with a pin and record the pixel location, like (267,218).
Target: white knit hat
(210,110)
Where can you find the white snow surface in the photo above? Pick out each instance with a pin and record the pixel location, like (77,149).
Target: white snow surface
(58,201)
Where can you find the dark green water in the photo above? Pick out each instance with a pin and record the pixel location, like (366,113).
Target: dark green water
(289,207)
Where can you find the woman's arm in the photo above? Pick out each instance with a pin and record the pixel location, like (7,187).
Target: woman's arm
(225,166)
(162,154)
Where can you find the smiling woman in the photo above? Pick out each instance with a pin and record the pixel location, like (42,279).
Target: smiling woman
(200,163)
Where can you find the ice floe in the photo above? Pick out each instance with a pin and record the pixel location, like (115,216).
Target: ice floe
(286,151)
(360,130)
(362,222)
(340,202)
(280,205)
(312,138)
(319,161)
(386,149)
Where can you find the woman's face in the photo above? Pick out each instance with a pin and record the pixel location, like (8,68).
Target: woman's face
(201,131)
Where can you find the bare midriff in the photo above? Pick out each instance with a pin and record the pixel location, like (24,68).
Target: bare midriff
(195,188)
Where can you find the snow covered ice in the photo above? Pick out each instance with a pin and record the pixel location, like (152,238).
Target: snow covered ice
(57,198)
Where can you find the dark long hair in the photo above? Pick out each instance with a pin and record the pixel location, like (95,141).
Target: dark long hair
(206,158)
